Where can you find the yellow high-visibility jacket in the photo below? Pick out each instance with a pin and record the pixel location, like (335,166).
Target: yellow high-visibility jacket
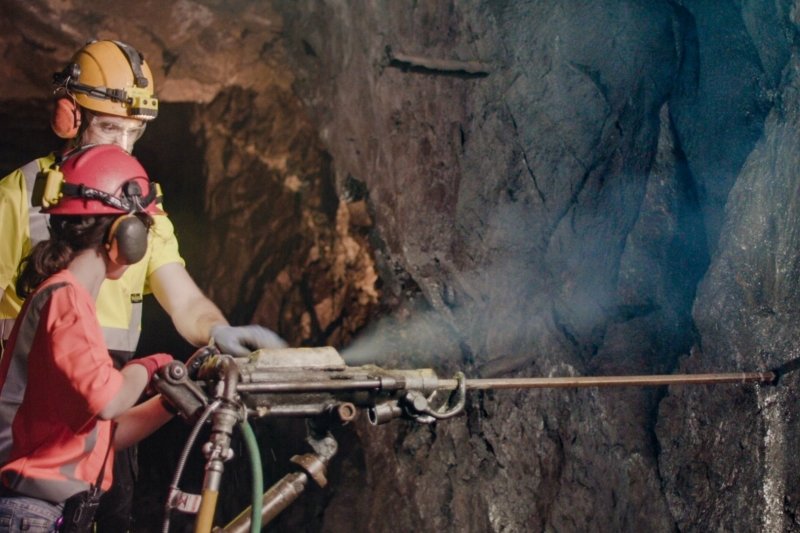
(119,303)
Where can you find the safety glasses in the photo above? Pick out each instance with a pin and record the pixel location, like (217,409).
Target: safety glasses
(108,129)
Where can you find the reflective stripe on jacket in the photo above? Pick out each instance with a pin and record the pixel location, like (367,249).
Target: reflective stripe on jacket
(16,381)
(55,379)
(11,397)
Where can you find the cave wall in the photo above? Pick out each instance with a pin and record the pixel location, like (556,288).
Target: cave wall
(581,162)
(534,174)
(510,188)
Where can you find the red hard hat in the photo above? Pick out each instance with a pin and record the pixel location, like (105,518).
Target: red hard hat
(101,179)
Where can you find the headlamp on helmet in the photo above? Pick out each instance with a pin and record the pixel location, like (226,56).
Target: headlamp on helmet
(110,77)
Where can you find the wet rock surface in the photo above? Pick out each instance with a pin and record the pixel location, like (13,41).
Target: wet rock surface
(508,188)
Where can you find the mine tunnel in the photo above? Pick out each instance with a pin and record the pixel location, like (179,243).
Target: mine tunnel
(508,189)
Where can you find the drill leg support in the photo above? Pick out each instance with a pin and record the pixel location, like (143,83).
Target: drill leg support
(283,493)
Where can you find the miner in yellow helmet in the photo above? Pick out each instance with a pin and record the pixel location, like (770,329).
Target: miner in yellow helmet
(104,79)
(106,95)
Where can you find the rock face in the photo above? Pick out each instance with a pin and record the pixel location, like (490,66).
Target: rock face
(509,188)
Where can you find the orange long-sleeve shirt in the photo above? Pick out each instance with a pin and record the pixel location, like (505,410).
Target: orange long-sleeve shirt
(55,377)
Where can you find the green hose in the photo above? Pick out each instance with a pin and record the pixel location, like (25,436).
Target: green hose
(258,479)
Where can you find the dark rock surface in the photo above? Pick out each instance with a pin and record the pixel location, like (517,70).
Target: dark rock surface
(511,188)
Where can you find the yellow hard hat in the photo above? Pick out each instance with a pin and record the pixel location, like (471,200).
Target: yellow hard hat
(110,77)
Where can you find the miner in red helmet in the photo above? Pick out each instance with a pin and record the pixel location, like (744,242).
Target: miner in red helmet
(106,95)
(64,407)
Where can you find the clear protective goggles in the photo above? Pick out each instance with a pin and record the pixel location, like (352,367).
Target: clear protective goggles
(110,129)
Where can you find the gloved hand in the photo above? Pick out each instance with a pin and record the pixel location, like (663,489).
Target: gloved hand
(152,363)
(239,341)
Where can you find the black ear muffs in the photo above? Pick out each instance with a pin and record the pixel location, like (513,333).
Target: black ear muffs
(127,240)
(66,119)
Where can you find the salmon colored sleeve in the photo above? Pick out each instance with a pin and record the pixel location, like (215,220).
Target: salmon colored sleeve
(81,363)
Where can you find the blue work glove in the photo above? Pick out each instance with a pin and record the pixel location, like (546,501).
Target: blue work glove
(240,341)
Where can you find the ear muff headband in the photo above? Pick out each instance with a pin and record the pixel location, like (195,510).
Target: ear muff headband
(135,59)
(127,240)
(131,199)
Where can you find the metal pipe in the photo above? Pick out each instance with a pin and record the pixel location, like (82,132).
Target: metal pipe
(312,386)
(230,376)
(217,450)
(280,496)
(292,485)
(518,383)
(290,410)
(205,515)
(173,488)
(346,411)
(611,381)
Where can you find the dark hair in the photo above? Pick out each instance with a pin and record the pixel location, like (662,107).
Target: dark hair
(69,235)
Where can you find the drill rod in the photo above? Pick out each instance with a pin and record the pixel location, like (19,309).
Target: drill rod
(611,381)
(377,383)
